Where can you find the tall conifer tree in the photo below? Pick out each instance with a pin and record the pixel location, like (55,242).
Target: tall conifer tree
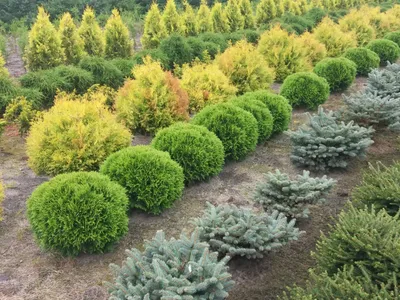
(219,19)
(203,18)
(235,18)
(118,42)
(154,29)
(247,12)
(265,12)
(91,34)
(70,40)
(188,19)
(171,18)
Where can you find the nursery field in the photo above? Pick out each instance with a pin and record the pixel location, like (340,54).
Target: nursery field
(29,273)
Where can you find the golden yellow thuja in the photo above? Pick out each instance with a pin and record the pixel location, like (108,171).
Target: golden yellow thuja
(154,29)
(203,18)
(219,20)
(153,100)
(335,40)
(205,84)
(382,22)
(118,41)
(70,40)
(74,135)
(3,69)
(245,67)
(171,18)
(315,50)
(283,52)
(91,34)
(188,19)
(359,24)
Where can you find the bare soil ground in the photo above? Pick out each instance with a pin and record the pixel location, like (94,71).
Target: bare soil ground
(26,272)
(14,62)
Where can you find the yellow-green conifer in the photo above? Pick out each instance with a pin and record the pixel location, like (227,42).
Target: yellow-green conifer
(235,18)
(3,70)
(203,18)
(247,12)
(91,34)
(292,7)
(118,42)
(171,18)
(44,49)
(188,19)
(154,29)
(280,7)
(219,19)
(265,12)
(70,40)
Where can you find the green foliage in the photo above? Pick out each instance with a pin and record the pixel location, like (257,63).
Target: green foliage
(357,22)
(292,197)
(220,22)
(230,230)
(118,42)
(265,12)
(153,273)
(74,135)
(246,11)
(203,18)
(91,34)
(379,188)
(260,112)
(385,82)
(365,59)
(388,51)
(21,112)
(235,127)
(394,37)
(325,143)
(79,80)
(340,72)
(216,38)
(33,95)
(188,19)
(171,18)
(82,212)
(8,91)
(305,89)
(153,100)
(3,69)
(294,24)
(198,151)
(234,15)
(315,50)
(44,49)
(103,71)
(125,66)
(245,67)
(153,181)
(252,36)
(71,42)
(279,107)
(176,50)
(155,54)
(365,239)
(154,29)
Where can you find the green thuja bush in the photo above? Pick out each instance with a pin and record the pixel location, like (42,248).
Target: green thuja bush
(340,72)
(365,59)
(176,50)
(125,65)
(118,42)
(292,197)
(325,142)
(366,239)
(232,231)
(197,150)
(82,212)
(71,42)
(155,54)
(262,114)
(77,79)
(153,181)
(235,127)
(33,95)
(388,51)
(380,188)
(252,36)
(183,268)
(216,38)
(394,37)
(8,91)
(103,71)
(278,106)
(305,89)
(91,34)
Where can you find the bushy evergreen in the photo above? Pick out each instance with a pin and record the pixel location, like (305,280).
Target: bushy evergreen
(220,22)
(20,112)
(265,12)
(8,90)
(118,42)
(176,51)
(197,150)
(71,42)
(365,59)
(340,72)
(171,19)
(91,34)
(188,19)
(44,50)
(82,212)
(125,65)
(203,18)
(232,231)
(77,79)
(292,197)
(394,37)
(235,127)
(153,181)
(154,30)
(246,11)
(305,89)
(359,24)
(325,142)
(315,50)
(387,50)
(385,82)
(234,15)
(183,268)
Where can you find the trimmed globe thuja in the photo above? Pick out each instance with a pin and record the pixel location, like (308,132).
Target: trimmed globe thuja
(262,114)
(74,136)
(153,181)
(278,106)
(197,150)
(393,36)
(305,89)
(340,72)
(82,212)
(365,59)
(388,51)
(235,127)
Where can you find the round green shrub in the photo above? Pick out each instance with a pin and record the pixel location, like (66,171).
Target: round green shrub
(78,79)
(252,36)
(235,127)
(125,65)
(262,114)
(8,91)
(340,72)
(32,95)
(196,149)
(103,71)
(393,36)
(197,47)
(388,51)
(155,54)
(233,37)
(216,38)
(81,212)
(305,89)
(153,181)
(365,59)
(278,105)
(176,50)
